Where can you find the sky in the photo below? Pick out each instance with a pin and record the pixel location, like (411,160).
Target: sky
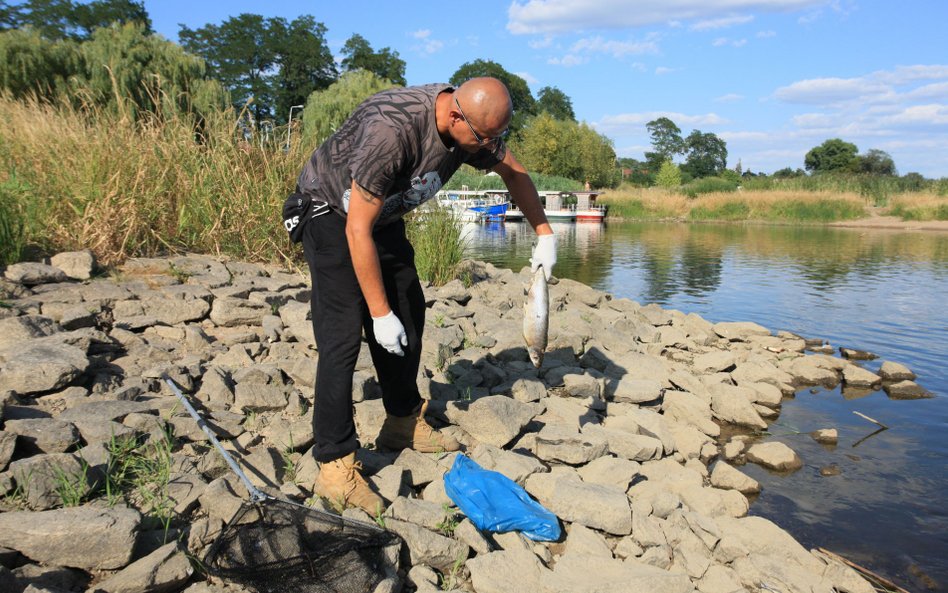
(773,78)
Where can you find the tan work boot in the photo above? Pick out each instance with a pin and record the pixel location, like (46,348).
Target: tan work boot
(341,482)
(413,432)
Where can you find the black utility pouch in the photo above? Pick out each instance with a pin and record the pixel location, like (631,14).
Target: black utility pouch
(298,209)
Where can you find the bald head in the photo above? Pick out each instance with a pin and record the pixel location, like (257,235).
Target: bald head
(487,102)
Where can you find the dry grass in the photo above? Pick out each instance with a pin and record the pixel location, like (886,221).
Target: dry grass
(102,181)
(775,206)
(917,206)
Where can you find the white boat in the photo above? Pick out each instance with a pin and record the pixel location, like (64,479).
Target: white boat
(476,206)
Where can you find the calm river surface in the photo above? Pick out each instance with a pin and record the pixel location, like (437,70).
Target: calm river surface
(878,290)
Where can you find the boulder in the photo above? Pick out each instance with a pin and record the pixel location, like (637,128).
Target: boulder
(77,265)
(774,455)
(107,536)
(165,569)
(727,477)
(495,419)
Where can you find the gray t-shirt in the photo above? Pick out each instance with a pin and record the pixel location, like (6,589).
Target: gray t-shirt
(391,147)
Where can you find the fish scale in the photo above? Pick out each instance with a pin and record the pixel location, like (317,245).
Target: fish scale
(536,317)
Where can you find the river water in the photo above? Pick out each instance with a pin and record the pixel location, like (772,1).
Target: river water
(878,290)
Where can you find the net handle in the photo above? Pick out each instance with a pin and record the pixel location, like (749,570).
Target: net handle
(255,495)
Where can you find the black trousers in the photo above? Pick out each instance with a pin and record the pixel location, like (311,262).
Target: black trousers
(340,315)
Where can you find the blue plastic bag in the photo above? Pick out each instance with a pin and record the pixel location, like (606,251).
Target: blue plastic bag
(494,502)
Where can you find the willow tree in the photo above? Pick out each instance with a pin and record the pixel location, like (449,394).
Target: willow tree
(326,110)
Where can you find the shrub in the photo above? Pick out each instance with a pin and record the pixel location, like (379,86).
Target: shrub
(708,185)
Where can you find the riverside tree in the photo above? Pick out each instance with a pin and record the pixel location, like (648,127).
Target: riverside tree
(384,63)
(524,105)
(269,61)
(556,103)
(550,146)
(327,109)
(706,154)
(666,142)
(65,19)
(834,155)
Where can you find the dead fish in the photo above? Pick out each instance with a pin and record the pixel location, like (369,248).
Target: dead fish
(536,317)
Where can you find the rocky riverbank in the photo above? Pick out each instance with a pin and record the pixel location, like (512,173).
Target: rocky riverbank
(106,484)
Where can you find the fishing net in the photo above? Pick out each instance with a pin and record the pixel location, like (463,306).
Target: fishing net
(276,546)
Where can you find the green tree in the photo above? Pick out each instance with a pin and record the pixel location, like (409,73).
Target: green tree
(706,154)
(876,162)
(127,68)
(556,103)
(306,63)
(669,176)
(834,155)
(524,104)
(326,110)
(384,63)
(273,63)
(666,142)
(241,53)
(550,146)
(31,64)
(62,19)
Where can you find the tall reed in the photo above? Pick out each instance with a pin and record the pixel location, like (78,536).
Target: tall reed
(436,233)
(99,179)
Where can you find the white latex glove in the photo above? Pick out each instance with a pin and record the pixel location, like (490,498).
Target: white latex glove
(544,254)
(390,333)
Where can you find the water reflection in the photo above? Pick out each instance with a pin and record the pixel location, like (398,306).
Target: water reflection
(877,290)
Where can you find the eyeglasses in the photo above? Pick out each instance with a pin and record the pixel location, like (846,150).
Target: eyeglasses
(480,141)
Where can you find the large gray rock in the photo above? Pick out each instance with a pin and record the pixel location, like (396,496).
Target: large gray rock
(893,371)
(32,273)
(556,443)
(428,547)
(77,265)
(774,455)
(505,571)
(44,479)
(7,445)
(730,478)
(165,569)
(594,505)
(231,312)
(495,419)
(167,311)
(610,471)
(634,447)
(690,409)
(731,405)
(630,390)
(46,435)
(14,331)
(855,376)
(509,463)
(107,536)
(41,366)
(576,572)
(907,390)
(739,331)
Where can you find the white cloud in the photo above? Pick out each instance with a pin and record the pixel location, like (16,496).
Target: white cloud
(428,44)
(821,91)
(528,77)
(906,74)
(663,70)
(766,34)
(569,60)
(616,49)
(729,98)
(544,42)
(721,23)
(722,41)
(626,123)
(562,16)
(919,115)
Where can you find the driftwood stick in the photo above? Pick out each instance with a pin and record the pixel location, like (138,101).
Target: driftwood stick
(869,419)
(864,571)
